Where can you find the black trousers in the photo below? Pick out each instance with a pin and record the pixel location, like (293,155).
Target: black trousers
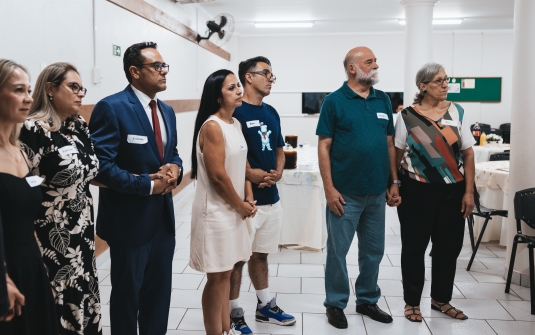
(141,285)
(430,211)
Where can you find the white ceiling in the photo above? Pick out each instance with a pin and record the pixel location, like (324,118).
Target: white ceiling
(357,16)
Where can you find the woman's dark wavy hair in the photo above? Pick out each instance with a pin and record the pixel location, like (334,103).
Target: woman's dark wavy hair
(211,92)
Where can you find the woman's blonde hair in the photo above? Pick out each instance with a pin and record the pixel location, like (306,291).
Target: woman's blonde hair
(7,67)
(42,109)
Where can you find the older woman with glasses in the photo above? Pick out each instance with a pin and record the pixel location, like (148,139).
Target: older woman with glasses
(56,140)
(434,146)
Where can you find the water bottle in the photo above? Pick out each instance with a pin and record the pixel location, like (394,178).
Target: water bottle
(476,132)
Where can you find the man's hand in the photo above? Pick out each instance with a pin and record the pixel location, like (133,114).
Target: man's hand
(259,177)
(392,196)
(173,172)
(335,201)
(274,176)
(16,301)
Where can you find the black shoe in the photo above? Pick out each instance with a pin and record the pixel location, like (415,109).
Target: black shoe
(336,317)
(374,312)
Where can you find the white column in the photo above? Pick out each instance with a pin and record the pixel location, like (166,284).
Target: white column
(522,163)
(418,42)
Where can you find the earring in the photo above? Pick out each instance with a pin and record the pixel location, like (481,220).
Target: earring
(219,101)
(50,97)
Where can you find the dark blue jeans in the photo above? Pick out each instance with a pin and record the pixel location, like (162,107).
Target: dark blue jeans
(365,215)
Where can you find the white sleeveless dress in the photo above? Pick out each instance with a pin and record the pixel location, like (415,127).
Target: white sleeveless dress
(219,237)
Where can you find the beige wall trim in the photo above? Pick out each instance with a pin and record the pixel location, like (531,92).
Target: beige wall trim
(179,106)
(157,16)
(101,245)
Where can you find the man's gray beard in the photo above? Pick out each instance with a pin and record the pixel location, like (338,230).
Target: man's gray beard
(367,79)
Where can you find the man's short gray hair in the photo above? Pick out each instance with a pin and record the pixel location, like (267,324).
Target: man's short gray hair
(425,75)
(350,58)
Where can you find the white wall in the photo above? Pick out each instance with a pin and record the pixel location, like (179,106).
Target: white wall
(62,30)
(314,64)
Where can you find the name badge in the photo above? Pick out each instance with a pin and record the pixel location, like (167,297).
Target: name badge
(382,116)
(243,147)
(137,139)
(254,123)
(449,123)
(67,150)
(34,181)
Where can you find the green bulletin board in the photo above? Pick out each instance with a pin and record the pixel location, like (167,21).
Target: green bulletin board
(488,89)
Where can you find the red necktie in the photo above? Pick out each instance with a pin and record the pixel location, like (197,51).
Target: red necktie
(156,127)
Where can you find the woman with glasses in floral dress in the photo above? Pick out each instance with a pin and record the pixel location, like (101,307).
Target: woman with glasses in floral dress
(56,140)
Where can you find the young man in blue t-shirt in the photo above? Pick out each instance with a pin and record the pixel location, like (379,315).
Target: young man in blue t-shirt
(265,162)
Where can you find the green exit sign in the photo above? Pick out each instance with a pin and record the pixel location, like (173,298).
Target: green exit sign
(116,50)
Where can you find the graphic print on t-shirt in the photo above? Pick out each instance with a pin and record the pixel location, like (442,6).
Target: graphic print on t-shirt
(264,135)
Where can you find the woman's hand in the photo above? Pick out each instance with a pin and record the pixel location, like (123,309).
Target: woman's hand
(468,204)
(246,210)
(252,202)
(16,301)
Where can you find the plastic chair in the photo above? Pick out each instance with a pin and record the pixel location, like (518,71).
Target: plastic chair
(524,211)
(487,214)
(506,132)
(501,156)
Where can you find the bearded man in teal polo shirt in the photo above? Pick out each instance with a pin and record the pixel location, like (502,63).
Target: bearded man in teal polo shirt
(356,158)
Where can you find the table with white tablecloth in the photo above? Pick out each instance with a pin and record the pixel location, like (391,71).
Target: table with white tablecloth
(482,152)
(303,203)
(492,182)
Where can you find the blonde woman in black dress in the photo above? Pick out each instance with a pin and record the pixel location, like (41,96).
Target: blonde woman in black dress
(57,142)
(20,199)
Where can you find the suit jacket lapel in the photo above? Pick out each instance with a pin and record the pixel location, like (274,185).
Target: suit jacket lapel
(143,119)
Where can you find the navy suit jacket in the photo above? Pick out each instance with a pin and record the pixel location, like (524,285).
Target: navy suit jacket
(127,214)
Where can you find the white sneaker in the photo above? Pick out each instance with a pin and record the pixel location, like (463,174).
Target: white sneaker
(232,332)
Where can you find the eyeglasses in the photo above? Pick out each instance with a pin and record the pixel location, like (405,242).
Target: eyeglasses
(158,66)
(439,82)
(76,89)
(266,73)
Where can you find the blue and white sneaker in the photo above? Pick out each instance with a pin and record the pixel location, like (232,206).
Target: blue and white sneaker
(271,313)
(237,321)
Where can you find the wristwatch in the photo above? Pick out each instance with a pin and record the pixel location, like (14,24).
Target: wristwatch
(397,181)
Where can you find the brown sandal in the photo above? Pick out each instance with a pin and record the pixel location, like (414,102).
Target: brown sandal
(457,311)
(410,315)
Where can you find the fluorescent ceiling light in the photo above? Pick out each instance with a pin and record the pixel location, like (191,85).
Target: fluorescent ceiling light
(438,21)
(299,24)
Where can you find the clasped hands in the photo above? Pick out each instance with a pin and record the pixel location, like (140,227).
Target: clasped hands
(166,179)
(248,208)
(392,196)
(263,178)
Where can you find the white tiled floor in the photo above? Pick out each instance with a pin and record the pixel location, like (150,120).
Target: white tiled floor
(297,280)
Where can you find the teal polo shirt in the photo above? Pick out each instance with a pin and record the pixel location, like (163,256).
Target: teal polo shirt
(359,128)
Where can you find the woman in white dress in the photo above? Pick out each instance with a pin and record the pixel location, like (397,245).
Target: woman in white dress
(223,198)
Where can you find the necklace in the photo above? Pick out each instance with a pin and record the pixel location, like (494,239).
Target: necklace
(17,160)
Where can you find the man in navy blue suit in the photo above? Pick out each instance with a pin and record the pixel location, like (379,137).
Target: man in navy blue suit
(135,139)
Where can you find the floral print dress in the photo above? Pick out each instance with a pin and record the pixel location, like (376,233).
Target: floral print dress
(65,226)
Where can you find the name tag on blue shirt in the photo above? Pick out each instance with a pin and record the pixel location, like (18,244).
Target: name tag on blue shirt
(254,123)
(382,116)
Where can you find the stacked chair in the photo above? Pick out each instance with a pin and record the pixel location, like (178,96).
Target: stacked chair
(506,132)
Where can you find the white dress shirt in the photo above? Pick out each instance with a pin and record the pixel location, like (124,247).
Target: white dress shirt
(145,100)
